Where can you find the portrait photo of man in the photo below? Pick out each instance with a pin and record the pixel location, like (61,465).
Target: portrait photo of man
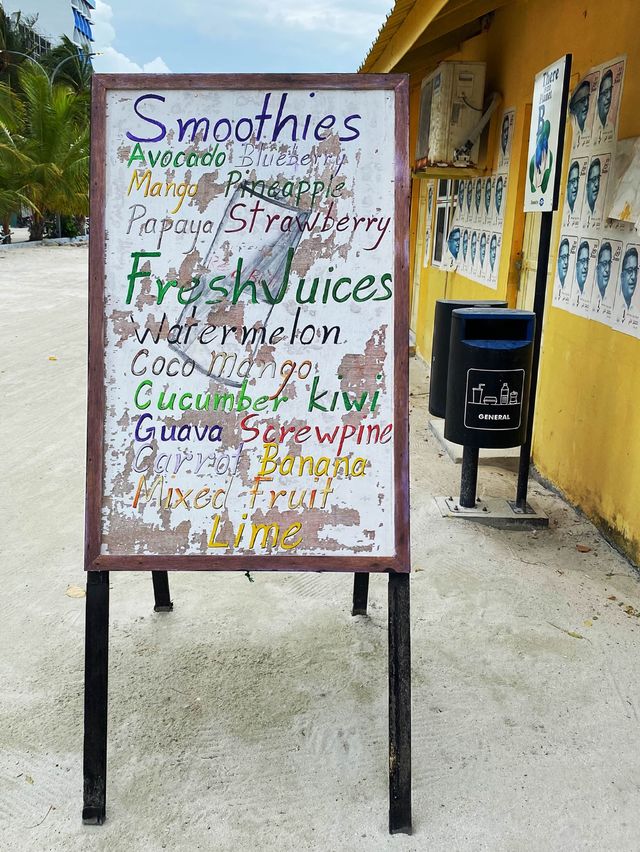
(465,245)
(593,183)
(483,249)
(582,265)
(629,275)
(453,242)
(603,268)
(474,246)
(498,193)
(469,195)
(605,94)
(493,251)
(487,195)
(579,104)
(478,194)
(573,184)
(505,141)
(563,260)
(504,135)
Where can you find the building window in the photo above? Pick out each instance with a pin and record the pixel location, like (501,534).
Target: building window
(445,204)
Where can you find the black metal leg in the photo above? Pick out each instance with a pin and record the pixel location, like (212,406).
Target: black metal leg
(96,664)
(161,592)
(399,705)
(360,593)
(523,475)
(469,477)
(544,247)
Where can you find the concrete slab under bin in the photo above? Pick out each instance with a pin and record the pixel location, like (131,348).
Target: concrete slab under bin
(508,458)
(494,512)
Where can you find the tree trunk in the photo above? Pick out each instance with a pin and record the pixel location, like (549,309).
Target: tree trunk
(36,229)
(6,230)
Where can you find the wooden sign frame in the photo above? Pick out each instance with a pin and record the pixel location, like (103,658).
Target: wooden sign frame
(99,565)
(94,561)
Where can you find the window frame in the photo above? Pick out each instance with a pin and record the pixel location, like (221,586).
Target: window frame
(446,200)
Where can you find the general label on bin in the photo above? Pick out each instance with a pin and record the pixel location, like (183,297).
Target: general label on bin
(494,399)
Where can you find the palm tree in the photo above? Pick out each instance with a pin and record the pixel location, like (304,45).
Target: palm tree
(12,162)
(44,139)
(15,45)
(65,63)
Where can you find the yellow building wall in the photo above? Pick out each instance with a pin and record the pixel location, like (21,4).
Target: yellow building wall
(587,427)
(436,284)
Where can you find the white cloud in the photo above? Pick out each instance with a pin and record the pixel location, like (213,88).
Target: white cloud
(332,16)
(346,20)
(110,60)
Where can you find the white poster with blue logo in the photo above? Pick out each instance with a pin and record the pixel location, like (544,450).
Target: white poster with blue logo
(547,124)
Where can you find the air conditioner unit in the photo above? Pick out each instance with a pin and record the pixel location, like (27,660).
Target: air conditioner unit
(450,107)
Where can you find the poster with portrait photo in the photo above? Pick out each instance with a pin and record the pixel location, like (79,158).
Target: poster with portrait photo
(499,200)
(574,192)
(505,139)
(585,270)
(582,107)
(595,191)
(493,255)
(473,254)
(461,211)
(463,258)
(606,275)
(468,200)
(609,95)
(476,203)
(452,247)
(488,188)
(625,316)
(482,265)
(564,271)
(428,224)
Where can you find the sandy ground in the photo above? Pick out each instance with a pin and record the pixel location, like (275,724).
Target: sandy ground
(254,717)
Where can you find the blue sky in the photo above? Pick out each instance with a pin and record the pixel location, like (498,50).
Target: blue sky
(223,35)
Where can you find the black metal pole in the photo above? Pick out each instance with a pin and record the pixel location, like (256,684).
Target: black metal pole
(399,705)
(538,308)
(96,664)
(360,593)
(163,602)
(469,477)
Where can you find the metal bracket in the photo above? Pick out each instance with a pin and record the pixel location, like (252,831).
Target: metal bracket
(521,510)
(453,505)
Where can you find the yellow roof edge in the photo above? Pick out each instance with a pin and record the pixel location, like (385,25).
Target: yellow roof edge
(394,20)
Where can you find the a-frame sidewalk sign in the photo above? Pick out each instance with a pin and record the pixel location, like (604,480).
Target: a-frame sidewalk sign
(248,363)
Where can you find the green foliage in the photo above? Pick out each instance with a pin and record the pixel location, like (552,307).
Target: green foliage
(44,147)
(44,127)
(66,64)
(13,163)
(64,226)
(15,47)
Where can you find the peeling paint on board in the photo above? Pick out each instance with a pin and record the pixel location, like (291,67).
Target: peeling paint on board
(249,324)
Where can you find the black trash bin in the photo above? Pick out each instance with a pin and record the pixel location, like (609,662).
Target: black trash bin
(489,376)
(440,348)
